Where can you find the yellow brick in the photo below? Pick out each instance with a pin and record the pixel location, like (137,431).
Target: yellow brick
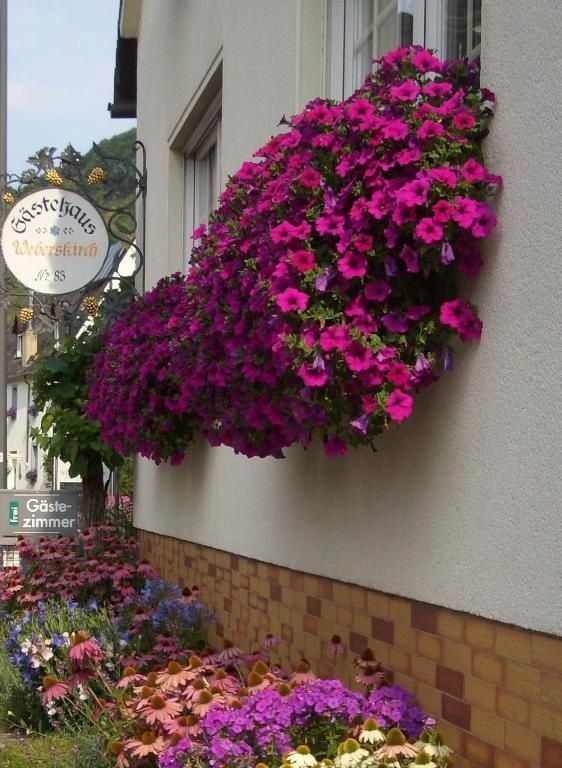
(429,699)
(513,644)
(453,736)
(284,577)
(404,638)
(513,707)
(377,604)
(422,669)
(429,646)
(343,616)
(399,610)
(341,594)
(457,656)
(487,727)
(551,687)
(381,651)
(487,667)
(480,694)
(399,661)
(547,652)
(479,633)
(522,679)
(361,623)
(358,599)
(310,585)
(547,721)
(450,625)
(329,611)
(503,760)
(523,743)
(405,681)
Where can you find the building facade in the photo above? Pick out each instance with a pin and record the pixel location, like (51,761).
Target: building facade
(440,551)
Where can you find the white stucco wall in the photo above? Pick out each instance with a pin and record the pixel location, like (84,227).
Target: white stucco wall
(460,506)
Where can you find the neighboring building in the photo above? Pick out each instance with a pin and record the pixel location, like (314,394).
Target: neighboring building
(442,551)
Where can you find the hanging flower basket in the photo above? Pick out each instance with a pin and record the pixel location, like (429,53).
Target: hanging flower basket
(323,294)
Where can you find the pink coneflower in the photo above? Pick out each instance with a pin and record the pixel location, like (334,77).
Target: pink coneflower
(366,659)
(84,649)
(53,689)
(158,709)
(117,750)
(186,725)
(130,676)
(225,683)
(335,647)
(204,701)
(270,641)
(302,673)
(396,746)
(148,744)
(174,676)
(229,651)
(370,676)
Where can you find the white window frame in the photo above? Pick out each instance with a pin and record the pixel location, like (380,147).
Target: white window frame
(342,38)
(197,153)
(19,345)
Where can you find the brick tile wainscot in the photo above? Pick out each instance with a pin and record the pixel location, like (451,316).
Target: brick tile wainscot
(495,689)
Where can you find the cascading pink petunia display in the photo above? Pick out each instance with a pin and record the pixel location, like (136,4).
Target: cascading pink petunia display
(322,295)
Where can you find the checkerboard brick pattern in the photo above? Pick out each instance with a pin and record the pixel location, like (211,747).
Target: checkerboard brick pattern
(496,690)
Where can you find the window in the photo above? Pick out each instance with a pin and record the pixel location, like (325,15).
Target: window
(359,30)
(19,344)
(202,172)
(15,398)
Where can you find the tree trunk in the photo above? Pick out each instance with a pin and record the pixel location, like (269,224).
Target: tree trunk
(93,494)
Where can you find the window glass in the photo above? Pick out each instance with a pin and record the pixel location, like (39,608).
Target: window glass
(359,30)
(202,176)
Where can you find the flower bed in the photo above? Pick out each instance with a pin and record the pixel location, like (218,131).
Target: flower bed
(118,654)
(323,294)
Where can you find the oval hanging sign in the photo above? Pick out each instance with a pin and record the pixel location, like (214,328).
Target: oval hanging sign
(54,241)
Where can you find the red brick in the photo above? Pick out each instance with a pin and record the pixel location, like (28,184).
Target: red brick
(314,606)
(276,592)
(450,681)
(456,711)
(212,570)
(424,617)
(357,643)
(296,580)
(382,630)
(234,562)
(551,753)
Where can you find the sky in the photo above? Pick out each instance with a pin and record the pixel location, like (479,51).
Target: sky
(61,57)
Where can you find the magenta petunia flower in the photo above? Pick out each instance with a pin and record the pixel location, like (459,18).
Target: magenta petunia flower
(310,178)
(352,264)
(429,230)
(334,337)
(377,290)
(484,221)
(407,91)
(313,377)
(473,171)
(303,260)
(454,312)
(292,300)
(333,446)
(429,129)
(399,405)
(426,62)
(464,121)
